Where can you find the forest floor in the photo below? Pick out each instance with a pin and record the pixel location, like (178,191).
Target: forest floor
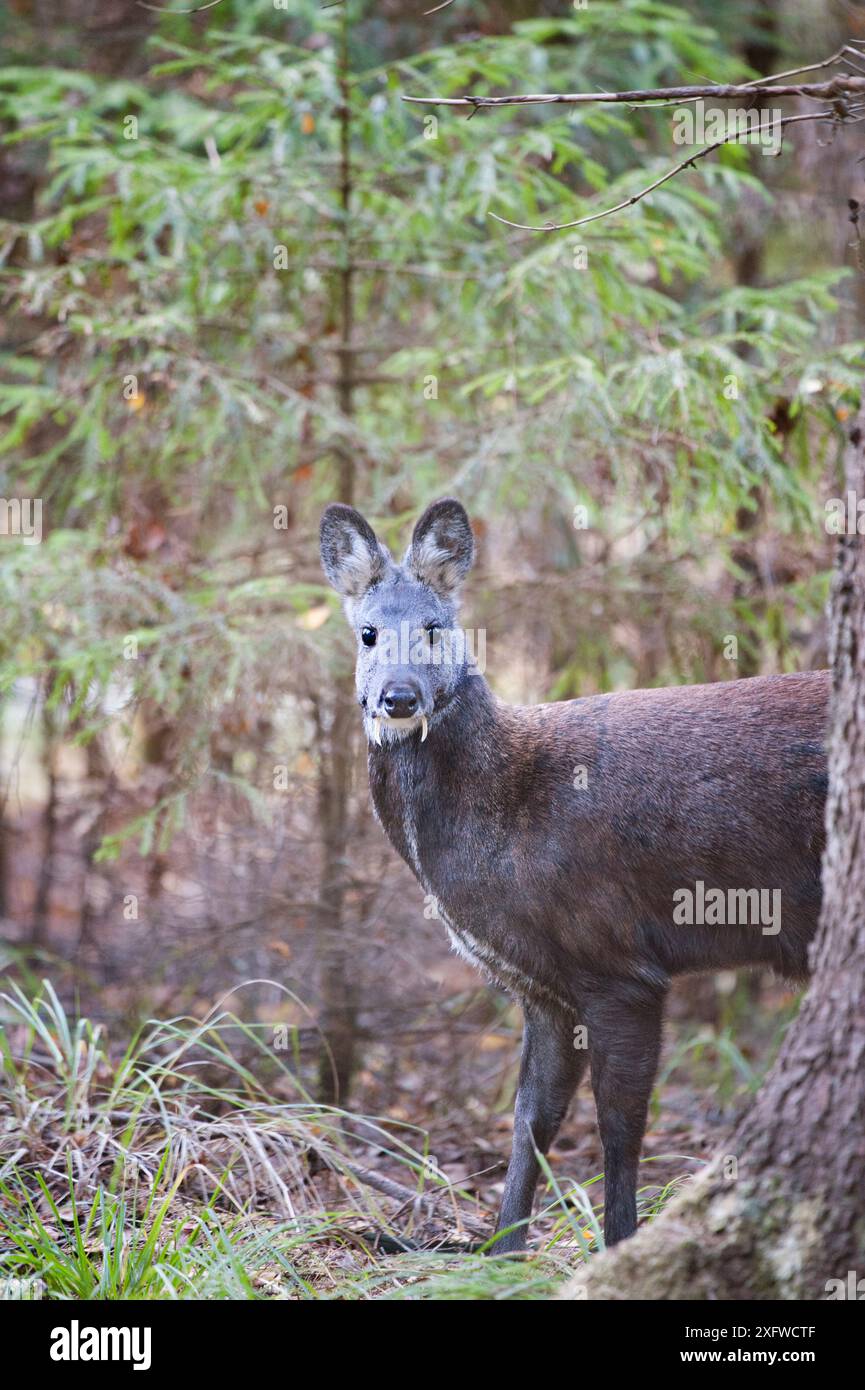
(157,1141)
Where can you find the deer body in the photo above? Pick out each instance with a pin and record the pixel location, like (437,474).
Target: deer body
(554,883)
(555,839)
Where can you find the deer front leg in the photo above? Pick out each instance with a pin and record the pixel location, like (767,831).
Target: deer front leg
(550,1071)
(624,1034)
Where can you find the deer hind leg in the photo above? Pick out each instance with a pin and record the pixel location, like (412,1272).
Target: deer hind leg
(624,1020)
(550,1070)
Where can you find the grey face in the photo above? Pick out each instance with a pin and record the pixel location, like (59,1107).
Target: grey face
(411,655)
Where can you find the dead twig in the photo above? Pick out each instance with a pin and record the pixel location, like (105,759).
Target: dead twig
(847,84)
(665,178)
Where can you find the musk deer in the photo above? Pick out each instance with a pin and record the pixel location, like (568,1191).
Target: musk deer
(580,853)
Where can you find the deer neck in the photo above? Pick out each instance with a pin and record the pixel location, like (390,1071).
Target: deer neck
(423,791)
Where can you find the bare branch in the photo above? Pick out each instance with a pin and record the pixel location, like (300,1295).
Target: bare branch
(837,90)
(665,178)
(844,85)
(844,52)
(163,9)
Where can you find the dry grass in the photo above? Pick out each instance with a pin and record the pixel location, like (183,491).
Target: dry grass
(172,1171)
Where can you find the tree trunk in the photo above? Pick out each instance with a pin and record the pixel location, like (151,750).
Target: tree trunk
(781,1214)
(339,994)
(41,907)
(338,946)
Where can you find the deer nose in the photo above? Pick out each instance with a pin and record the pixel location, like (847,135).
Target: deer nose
(400,701)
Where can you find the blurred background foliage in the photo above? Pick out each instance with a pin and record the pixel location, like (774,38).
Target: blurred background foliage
(242,279)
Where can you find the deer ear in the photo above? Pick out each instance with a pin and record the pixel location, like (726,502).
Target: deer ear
(351,556)
(442,546)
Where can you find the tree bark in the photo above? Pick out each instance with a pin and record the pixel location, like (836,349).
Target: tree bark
(781,1213)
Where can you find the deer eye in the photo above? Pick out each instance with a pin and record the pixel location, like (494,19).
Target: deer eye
(368,636)
(434,632)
